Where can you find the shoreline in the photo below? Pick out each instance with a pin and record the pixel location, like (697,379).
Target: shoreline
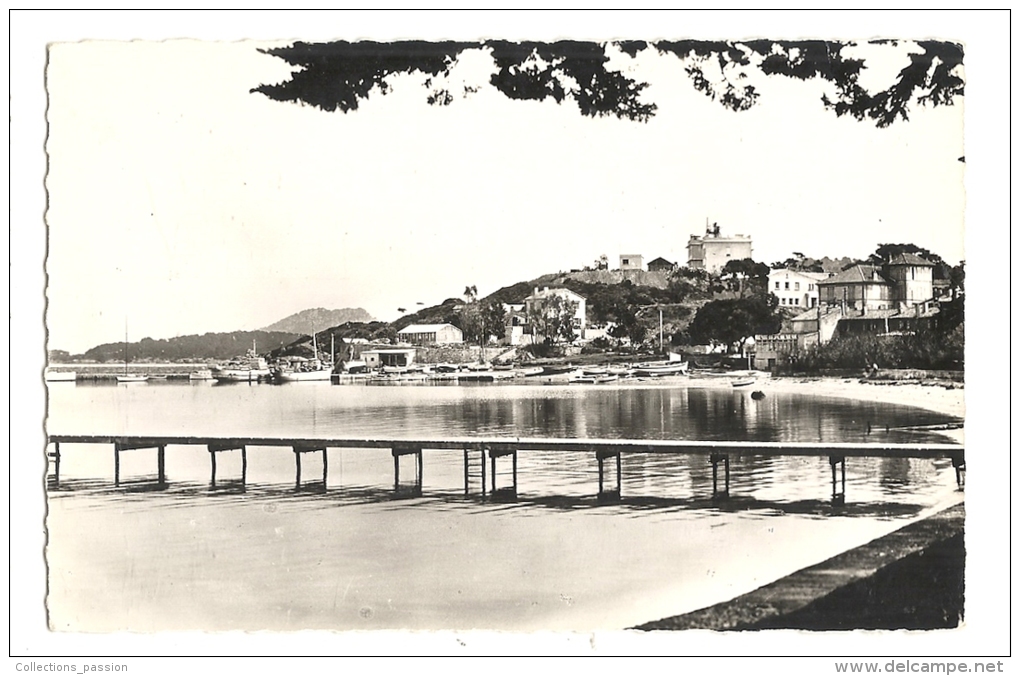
(912,578)
(934,397)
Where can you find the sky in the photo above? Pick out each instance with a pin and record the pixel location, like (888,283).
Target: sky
(182,203)
(144,228)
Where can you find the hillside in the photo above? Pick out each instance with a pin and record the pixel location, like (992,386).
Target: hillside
(187,348)
(631,299)
(317,319)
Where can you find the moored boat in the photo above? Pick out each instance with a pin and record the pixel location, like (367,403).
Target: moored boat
(405,378)
(247,369)
(288,376)
(656,369)
(201,374)
(129,377)
(52,376)
(586,379)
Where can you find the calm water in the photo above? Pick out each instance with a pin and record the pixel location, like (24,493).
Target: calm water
(347,555)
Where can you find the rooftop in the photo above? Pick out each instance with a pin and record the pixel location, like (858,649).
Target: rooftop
(424,328)
(555,291)
(909,259)
(856,275)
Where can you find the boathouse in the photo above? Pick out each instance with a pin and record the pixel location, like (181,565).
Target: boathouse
(399,357)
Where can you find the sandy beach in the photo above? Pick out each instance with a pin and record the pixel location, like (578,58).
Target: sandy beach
(932,397)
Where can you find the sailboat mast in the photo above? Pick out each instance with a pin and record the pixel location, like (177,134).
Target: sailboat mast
(125,346)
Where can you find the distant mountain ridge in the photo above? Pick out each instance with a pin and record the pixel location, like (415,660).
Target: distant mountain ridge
(316,319)
(206,346)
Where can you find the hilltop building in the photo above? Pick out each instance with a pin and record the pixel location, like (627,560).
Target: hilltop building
(660,264)
(713,251)
(631,262)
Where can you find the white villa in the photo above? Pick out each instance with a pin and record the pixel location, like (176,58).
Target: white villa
(794,288)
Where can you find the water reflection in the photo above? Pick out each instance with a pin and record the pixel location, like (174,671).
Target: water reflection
(340,549)
(513,410)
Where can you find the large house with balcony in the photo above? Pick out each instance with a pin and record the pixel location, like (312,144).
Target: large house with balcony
(901,283)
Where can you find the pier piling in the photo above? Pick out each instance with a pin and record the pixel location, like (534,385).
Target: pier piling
(609,495)
(499,453)
(399,452)
(838,496)
(219,448)
(959,465)
(119,446)
(54,456)
(299,451)
(715,459)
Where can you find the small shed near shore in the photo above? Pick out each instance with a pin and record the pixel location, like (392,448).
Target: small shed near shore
(399,357)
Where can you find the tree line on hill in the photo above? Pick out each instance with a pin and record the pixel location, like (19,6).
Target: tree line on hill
(211,346)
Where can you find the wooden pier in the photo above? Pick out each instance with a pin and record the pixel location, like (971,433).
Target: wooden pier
(716,452)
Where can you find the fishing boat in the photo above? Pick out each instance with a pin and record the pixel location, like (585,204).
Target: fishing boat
(405,378)
(247,369)
(583,378)
(531,371)
(355,366)
(321,374)
(657,369)
(304,370)
(201,374)
(743,382)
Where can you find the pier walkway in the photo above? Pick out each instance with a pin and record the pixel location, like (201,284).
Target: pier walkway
(489,450)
